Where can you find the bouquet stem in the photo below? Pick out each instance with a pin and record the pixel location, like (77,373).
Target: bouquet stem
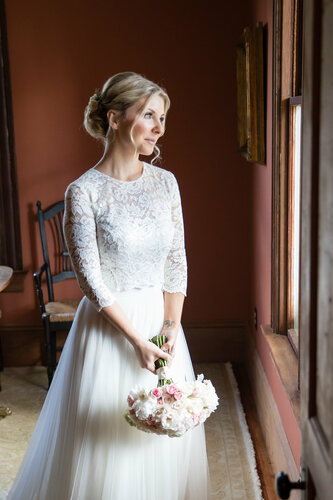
(159,340)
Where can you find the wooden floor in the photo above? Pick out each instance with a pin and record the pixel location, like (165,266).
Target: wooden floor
(263,463)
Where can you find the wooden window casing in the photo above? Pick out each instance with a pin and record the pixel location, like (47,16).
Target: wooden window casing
(287,72)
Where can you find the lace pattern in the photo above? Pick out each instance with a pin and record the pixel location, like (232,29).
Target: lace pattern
(123,235)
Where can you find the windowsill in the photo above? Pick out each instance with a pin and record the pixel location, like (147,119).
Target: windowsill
(286,363)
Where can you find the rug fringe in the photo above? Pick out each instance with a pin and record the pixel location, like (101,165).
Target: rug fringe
(246,434)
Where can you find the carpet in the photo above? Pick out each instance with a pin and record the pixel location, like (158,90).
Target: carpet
(230,451)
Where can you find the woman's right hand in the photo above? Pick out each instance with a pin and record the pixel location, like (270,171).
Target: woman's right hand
(148,353)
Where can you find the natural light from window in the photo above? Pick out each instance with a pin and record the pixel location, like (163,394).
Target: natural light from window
(296,197)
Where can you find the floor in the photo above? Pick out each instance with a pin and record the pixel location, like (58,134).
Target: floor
(264,467)
(224,428)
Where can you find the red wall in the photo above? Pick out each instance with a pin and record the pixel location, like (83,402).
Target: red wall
(60,51)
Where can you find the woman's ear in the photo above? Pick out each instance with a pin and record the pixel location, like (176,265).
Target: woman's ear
(113,119)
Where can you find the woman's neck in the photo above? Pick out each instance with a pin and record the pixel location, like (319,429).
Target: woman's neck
(121,165)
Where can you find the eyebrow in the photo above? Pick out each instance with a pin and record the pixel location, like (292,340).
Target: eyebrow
(151,109)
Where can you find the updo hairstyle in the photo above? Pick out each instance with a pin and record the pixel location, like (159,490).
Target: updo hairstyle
(119,93)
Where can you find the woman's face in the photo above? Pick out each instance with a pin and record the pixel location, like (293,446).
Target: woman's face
(148,128)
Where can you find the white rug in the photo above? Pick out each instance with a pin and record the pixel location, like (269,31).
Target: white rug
(230,451)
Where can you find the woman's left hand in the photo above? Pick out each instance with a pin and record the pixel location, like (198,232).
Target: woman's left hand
(171,335)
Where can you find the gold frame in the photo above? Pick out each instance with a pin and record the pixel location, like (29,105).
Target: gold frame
(250,95)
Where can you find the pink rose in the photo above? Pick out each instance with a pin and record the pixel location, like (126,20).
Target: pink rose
(178,395)
(168,399)
(130,401)
(171,389)
(157,392)
(160,402)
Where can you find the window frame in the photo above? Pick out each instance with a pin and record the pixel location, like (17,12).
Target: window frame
(287,81)
(10,233)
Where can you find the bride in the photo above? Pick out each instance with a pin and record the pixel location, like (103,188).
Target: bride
(124,230)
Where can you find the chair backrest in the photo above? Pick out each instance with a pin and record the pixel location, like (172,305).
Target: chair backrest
(61,264)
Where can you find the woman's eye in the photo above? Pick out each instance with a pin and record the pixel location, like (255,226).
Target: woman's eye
(149,115)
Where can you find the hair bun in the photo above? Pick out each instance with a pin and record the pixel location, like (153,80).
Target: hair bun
(98,96)
(96,122)
(93,104)
(95,100)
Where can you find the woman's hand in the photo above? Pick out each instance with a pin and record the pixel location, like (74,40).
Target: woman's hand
(148,353)
(170,330)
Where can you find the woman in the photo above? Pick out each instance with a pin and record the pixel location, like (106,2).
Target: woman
(124,230)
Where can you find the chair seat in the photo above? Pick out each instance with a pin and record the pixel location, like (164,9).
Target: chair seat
(62,311)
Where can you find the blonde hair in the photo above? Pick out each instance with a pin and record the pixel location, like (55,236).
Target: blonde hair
(119,93)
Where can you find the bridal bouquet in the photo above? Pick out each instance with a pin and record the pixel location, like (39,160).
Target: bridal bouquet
(170,408)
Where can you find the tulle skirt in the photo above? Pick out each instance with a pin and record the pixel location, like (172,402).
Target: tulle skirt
(82,448)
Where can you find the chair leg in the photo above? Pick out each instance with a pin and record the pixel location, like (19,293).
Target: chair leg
(54,350)
(48,347)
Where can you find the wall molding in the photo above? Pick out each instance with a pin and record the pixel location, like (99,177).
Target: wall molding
(23,345)
(217,342)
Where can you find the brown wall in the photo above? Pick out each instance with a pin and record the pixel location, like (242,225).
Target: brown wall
(59,53)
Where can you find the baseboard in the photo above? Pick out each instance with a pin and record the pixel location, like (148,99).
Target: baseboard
(23,345)
(278,448)
(218,342)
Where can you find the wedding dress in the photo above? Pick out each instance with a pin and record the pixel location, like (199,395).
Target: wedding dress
(126,242)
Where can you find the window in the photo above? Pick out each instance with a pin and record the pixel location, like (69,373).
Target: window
(287,115)
(294,185)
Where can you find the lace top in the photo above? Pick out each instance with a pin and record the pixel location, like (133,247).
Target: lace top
(125,234)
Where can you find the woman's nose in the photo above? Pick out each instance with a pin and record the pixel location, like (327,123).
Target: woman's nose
(158,127)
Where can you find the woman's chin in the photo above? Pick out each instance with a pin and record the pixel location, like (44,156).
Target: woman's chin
(146,151)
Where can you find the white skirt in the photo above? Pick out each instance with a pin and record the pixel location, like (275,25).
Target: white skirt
(82,448)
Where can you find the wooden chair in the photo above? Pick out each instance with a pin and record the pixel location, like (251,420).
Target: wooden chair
(56,315)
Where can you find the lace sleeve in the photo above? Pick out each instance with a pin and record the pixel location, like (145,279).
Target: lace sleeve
(175,269)
(80,234)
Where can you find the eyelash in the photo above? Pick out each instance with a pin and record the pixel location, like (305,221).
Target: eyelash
(151,114)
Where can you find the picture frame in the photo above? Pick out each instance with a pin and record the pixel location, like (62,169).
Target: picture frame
(250,95)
